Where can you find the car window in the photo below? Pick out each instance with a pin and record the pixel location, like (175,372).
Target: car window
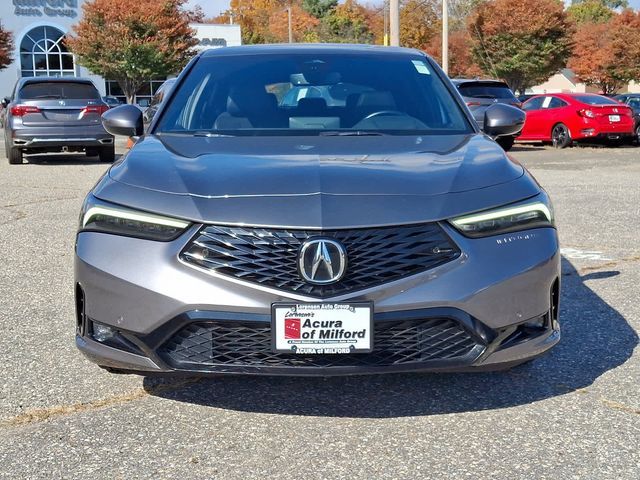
(307,93)
(634,103)
(595,100)
(533,104)
(59,90)
(486,90)
(555,102)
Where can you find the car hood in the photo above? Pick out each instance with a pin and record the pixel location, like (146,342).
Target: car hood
(315,182)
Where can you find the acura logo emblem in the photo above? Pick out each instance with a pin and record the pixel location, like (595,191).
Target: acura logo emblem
(322,261)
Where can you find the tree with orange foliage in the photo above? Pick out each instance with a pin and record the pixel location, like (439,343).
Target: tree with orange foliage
(254,17)
(303,25)
(132,42)
(523,42)
(461,63)
(625,45)
(594,60)
(6,48)
(419,22)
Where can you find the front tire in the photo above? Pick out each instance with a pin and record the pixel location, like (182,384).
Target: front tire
(506,143)
(560,136)
(107,154)
(636,139)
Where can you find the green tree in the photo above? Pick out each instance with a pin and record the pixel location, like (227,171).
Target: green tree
(346,23)
(590,12)
(523,53)
(6,48)
(132,42)
(606,3)
(319,8)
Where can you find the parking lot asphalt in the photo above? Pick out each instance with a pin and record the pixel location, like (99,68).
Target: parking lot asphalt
(573,414)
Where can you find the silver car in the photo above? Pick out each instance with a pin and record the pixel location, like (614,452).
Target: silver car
(55,115)
(242,235)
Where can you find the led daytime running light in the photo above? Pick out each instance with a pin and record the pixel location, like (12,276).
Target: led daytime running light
(483,217)
(130,215)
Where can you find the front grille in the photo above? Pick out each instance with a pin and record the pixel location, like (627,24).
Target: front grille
(269,257)
(203,345)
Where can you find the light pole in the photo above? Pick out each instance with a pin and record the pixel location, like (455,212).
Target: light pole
(394,22)
(445,36)
(385,13)
(290,24)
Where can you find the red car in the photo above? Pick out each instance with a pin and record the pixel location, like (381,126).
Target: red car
(561,118)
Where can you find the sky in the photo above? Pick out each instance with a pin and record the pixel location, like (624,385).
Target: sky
(214,7)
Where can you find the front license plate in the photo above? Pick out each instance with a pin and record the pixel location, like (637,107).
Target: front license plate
(614,118)
(322,328)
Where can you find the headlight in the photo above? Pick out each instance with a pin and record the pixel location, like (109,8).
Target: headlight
(512,218)
(99,216)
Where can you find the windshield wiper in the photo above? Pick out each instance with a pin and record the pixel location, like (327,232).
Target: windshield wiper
(353,133)
(48,96)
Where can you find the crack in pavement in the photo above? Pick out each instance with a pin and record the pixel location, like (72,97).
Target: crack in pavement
(37,202)
(613,263)
(38,415)
(619,406)
(21,214)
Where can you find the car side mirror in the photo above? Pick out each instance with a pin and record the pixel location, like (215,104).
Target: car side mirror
(5,101)
(503,120)
(123,120)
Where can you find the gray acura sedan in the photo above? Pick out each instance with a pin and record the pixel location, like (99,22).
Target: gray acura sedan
(379,232)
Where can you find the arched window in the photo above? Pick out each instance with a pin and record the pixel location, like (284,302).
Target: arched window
(43,53)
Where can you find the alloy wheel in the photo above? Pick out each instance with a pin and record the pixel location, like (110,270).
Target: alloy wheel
(560,136)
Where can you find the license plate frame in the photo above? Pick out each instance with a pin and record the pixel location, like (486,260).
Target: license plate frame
(323,312)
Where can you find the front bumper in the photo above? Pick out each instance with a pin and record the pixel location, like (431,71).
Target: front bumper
(490,292)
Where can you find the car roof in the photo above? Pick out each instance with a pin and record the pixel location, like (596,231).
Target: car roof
(460,81)
(571,94)
(319,48)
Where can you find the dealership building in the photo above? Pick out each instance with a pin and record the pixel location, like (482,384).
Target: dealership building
(39,28)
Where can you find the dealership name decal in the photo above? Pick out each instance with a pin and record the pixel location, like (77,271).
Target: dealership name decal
(49,8)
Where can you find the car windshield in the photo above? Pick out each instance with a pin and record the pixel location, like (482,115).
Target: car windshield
(59,90)
(596,100)
(486,90)
(634,103)
(313,94)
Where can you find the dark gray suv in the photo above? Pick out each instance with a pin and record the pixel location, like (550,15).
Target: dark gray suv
(481,94)
(55,115)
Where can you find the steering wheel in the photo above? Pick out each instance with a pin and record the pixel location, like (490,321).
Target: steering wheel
(391,113)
